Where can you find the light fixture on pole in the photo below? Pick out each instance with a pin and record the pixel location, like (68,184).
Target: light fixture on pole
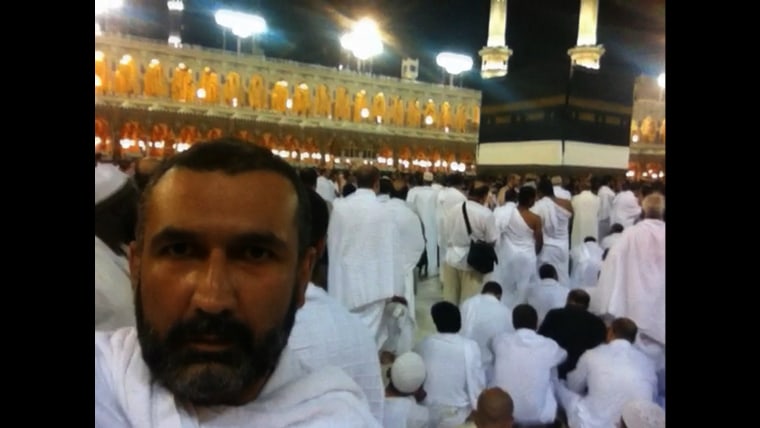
(102,8)
(363,41)
(242,25)
(454,64)
(661,84)
(175,22)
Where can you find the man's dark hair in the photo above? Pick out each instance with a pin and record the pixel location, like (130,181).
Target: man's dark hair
(231,156)
(606,180)
(116,217)
(446,317)
(366,176)
(545,187)
(616,228)
(455,179)
(510,195)
(309,177)
(320,217)
(595,184)
(579,298)
(589,239)
(548,270)
(525,316)
(624,328)
(386,186)
(492,287)
(527,194)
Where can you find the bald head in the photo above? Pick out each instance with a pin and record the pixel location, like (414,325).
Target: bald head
(653,205)
(495,408)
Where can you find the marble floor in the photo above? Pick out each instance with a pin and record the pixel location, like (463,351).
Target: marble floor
(429,292)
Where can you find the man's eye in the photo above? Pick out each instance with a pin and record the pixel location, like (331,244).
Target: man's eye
(178,250)
(256,253)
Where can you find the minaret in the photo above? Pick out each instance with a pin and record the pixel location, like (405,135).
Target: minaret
(587,53)
(496,54)
(175,22)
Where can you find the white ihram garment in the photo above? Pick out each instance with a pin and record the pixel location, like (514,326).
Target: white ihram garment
(423,200)
(126,396)
(483,317)
(520,264)
(555,222)
(585,217)
(327,334)
(114,300)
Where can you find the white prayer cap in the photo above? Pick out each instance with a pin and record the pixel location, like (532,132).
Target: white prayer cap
(557,180)
(108,179)
(427,176)
(643,414)
(408,373)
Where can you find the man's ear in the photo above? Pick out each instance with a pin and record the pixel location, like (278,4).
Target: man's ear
(134,264)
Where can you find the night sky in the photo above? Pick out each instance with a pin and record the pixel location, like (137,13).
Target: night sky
(538,31)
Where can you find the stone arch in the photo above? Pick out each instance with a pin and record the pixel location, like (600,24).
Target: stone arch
(302,100)
(342,104)
(379,107)
(279,96)
(323,106)
(102,81)
(232,89)
(257,94)
(183,84)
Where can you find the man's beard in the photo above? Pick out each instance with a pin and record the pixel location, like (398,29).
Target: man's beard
(211,377)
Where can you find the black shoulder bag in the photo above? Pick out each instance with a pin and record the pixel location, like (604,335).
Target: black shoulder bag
(482,255)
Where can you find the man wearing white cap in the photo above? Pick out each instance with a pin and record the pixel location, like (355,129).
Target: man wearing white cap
(423,200)
(115,217)
(407,374)
(559,191)
(642,414)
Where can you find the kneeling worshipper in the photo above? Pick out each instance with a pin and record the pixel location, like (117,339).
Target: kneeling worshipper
(642,414)
(404,391)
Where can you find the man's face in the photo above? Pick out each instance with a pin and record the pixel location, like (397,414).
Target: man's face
(217,282)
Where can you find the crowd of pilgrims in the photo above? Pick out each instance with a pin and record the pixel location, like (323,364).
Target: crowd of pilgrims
(566,330)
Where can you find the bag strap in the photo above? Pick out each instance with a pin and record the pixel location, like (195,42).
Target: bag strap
(466,220)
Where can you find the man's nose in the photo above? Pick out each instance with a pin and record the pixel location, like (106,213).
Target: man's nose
(214,292)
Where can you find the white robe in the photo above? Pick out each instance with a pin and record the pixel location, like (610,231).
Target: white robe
(365,267)
(632,280)
(455,377)
(447,198)
(483,317)
(546,295)
(555,222)
(326,189)
(404,412)
(125,395)
(423,200)
(606,196)
(586,259)
(614,374)
(114,300)
(610,239)
(327,334)
(502,216)
(625,209)
(585,217)
(519,266)
(562,193)
(525,363)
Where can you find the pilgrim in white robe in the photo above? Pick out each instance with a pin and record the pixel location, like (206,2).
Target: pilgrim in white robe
(610,239)
(423,200)
(114,301)
(555,221)
(585,217)
(606,196)
(525,364)
(632,280)
(586,260)
(518,270)
(626,209)
(326,189)
(562,193)
(364,269)
(400,323)
(502,216)
(613,374)
(327,334)
(404,412)
(455,377)
(447,198)
(126,396)
(546,295)
(483,317)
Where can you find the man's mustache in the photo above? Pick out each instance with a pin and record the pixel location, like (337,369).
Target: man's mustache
(205,327)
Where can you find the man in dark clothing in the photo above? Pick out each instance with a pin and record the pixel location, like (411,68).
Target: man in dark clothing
(574,328)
